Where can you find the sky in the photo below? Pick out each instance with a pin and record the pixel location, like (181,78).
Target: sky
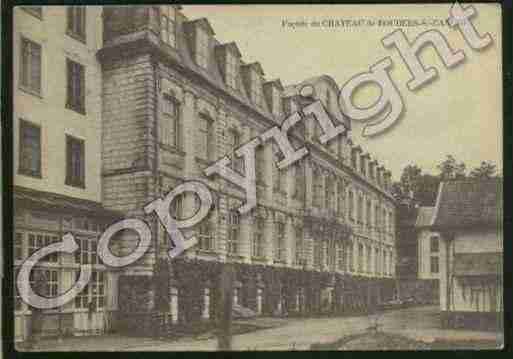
(460,113)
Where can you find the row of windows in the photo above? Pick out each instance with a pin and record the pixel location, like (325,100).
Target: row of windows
(27,243)
(369,170)
(47,282)
(75,16)
(30,155)
(30,76)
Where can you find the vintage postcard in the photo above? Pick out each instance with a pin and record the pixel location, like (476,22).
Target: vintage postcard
(257,177)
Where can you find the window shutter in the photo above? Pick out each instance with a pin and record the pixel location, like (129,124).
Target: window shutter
(35,63)
(68,161)
(81,156)
(69,83)
(81,87)
(25,61)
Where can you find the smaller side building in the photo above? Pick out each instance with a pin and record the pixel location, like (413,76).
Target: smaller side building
(468,217)
(428,254)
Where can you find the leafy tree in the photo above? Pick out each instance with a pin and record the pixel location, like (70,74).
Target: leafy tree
(450,169)
(422,187)
(487,169)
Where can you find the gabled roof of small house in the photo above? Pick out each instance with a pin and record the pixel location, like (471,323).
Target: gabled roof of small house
(424,216)
(467,203)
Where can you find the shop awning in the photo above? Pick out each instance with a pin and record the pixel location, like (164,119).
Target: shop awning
(24,197)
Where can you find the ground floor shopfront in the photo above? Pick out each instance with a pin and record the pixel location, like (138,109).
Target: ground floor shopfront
(184,295)
(41,219)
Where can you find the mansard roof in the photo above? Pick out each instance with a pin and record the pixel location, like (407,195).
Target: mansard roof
(468,203)
(204,23)
(275,82)
(255,65)
(232,46)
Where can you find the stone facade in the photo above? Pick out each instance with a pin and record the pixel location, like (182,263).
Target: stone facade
(160,106)
(141,71)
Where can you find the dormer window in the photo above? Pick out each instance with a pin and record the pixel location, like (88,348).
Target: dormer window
(201,47)
(232,69)
(167,25)
(256,88)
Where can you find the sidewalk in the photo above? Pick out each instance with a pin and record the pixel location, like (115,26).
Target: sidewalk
(421,323)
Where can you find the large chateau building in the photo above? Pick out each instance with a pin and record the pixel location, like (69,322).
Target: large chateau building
(146,99)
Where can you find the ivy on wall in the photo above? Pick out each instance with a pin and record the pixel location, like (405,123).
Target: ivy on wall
(191,276)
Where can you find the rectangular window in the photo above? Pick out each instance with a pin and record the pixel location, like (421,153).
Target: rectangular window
(340,256)
(331,254)
(368,258)
(376,217)
(368,213)
(376,260)
(385,221)
(351,205)
(167,25)
(75,99)
(202,47)
(36,11)
(170,129)
(37,241)
(256,88)
(433,244)
(340,198)
(206,138)
(328,193)
(233,232)
(360,257)
(300,185)
(30,67)
(317,189)
(30,149)
(350,261)
(299,260)
(75,162)
(93,295)
(234,143)
(176,210)
(232,70)
(18,246)
(77,22)
(206,235)
(258,238)
(97,289)
(87,251)
(317,249)
(434,265)
(279,253)
(45,282)
(359,209)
